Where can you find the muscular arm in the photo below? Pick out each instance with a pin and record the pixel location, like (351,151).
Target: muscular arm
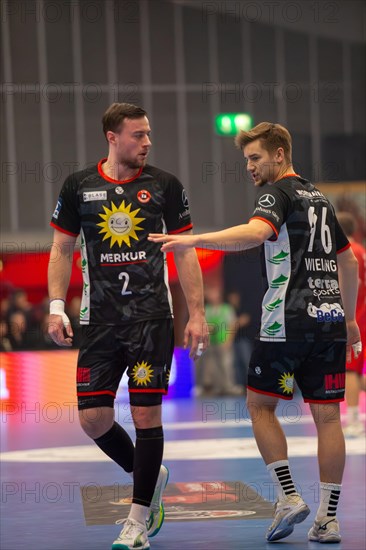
(190,277)
(233,239)
(348,284)
(59,271)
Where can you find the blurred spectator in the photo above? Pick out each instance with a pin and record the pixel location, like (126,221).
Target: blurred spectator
(5,344)
(19,335)
(214,370)
(4,308)
(242,346)
(355,374)
(347,204)
(18,301)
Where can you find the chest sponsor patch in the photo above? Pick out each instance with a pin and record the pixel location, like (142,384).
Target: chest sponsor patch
(94,196)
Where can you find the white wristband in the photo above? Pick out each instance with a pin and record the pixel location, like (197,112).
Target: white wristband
(57,307)
(199,349)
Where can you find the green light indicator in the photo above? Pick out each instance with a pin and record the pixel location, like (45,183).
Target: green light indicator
(229,124)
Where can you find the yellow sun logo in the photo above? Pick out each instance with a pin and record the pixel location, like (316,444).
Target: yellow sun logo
(120,224)
(287,383)
(142,374)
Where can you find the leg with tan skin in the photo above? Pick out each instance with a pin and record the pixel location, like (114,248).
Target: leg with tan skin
(146,417)
(272,444)
(267,430)
(97,421)
(331,445)
(331,458)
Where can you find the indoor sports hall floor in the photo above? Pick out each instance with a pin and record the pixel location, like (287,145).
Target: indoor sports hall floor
(52,473)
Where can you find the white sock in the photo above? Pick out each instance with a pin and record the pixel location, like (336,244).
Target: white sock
(329,496)
(352,415)
(138,513)
(281,477)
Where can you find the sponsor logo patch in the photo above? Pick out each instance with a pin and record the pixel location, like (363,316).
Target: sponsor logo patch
(143,196)
(89,196)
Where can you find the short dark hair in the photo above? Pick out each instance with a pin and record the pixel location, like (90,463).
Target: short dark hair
(272,136)
(115,114)
(347,223)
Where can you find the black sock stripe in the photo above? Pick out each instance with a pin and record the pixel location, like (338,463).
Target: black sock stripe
(282,469)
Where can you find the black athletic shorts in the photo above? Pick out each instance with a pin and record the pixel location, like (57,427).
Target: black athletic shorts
(318,368)
(145,349)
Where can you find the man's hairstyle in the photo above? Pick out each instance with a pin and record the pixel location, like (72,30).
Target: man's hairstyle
(115,114)
(271,136)
(347,223)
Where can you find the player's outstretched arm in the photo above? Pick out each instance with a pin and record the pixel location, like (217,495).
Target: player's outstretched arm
(233,239)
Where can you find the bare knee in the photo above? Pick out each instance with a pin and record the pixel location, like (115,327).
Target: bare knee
(146,417)
(261,407)
(97,421)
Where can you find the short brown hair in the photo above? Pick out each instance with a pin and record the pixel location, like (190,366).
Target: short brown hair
(347,223)
(115,114)
(271,136)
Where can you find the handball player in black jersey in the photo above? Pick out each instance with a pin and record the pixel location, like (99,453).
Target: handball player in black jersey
(308,325)
(126,309)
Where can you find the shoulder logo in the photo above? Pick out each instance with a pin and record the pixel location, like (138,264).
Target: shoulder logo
(58,208)
(267,200)
(143,196)
(184,198)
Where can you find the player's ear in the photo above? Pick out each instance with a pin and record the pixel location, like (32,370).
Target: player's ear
(111,137)
(280,155)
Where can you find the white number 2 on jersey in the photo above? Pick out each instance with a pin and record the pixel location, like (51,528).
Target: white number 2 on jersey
(123,276)
(325,235)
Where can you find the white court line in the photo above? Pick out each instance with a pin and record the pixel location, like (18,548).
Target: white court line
(186,449)
(242,423)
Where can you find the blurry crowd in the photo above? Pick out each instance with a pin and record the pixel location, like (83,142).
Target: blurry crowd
(222,369)
(24,325)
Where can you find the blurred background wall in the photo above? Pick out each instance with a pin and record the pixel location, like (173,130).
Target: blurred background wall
(300,63)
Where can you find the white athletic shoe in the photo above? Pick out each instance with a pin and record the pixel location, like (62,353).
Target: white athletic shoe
(325,530)
(132,537)
(156,515)
(288,512)
(355,429)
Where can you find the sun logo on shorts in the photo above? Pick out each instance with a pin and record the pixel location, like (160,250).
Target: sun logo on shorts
(120,224)
(142,374)
(287,383)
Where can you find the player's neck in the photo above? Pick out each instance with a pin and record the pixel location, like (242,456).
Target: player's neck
(118,171)
(287,170)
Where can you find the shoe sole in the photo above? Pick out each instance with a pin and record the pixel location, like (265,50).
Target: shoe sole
(287,524)
(154,533)
(334,539)
(124,547)
(159,526)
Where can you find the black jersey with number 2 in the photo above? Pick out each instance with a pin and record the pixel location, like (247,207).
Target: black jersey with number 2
(124,274)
